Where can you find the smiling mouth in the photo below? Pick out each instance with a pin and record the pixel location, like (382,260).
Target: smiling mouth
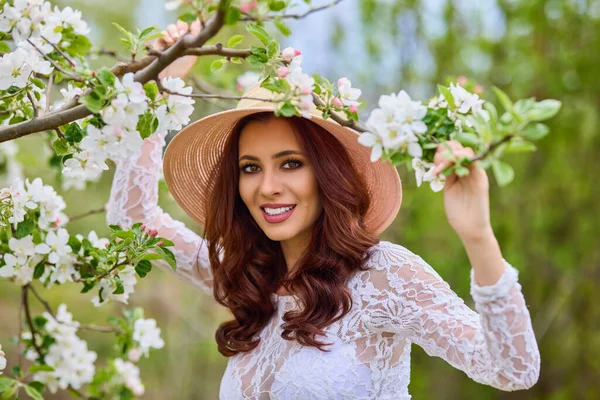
(277,217)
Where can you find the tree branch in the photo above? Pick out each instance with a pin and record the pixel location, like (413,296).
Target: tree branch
(493,147)
(87,213)
(145,70)
(55,65)
(218,50)
(337,118)
(25,300)
(293,16)
(71,63)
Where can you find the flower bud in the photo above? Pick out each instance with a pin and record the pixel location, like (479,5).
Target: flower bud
(342,81)
(116,272)
(134,355)
(353,108)
(462,80)
(153,233)
(306,90)
(478,89)
(143,227)
(106,245)
(117,240)
(337,102)
(297,52)
(160,243)
(288,54)
(282,72)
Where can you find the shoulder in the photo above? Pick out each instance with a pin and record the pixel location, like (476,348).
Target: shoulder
(392,266)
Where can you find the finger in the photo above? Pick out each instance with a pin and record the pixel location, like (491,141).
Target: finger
(441,166)
(195,27)
(182,27)
(160,43)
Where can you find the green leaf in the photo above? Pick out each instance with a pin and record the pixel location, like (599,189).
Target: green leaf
(445,91)
(33,393)
(503,98)
(143,267)
(283,28)
(288,110)
(38,82)
(257,61)
(258,32)
(535,131)
(106,77)
(145,32)
(277,5)
(4,47)
(123,30)
(24,228)
(151,89)
(520,146)
(120,288)
(93,102)
(37,385)
(152,256)
(6,382)
(61,147)
(147,124)
(89,285)
(80,46)
(232,16)
(544,110)
(216,65)
(235,40)
(41,368)
(73,134)
(168,256)
(39,271)
(503,173)
(10,393)
(188,17)
(467,139)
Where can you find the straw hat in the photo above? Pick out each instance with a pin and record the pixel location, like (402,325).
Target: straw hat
(193,153)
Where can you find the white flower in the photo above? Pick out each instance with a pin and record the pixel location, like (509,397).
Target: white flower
(108,286)
(420,168)
(130,375)
(348,94)
(96,242)
(288,54)
(176,85)
(176,113)
(374,141)
(97,141)
(464,100)
(2,360)
(14,69)
(173,4)
(147,334)
(132,89)
(84,165)
(22,248)
(56,245)
(246,80)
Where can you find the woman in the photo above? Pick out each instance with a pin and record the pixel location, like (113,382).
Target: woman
(292,210)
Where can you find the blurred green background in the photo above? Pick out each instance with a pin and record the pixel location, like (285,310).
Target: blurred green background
(546,220)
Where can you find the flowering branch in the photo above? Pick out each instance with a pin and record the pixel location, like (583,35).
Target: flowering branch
(292,16)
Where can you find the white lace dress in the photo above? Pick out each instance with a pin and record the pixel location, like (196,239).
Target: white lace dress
(399,301)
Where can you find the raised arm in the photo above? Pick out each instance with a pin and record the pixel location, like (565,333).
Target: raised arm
(134,198)
(495,346)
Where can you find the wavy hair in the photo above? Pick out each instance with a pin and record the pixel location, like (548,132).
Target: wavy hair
(248,267)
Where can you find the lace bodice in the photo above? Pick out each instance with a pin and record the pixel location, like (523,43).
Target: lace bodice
(398,301)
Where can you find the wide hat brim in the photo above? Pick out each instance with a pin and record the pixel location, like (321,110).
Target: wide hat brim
(191,156)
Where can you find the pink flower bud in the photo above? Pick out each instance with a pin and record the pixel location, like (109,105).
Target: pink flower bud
(462,80)
(134,355)
(478,89)
(297,52)
(106,245)
(288,54)
(353,108)
(160,243)
(117,240)
(342,81)
(305,105)
(337,102)
(116,272)
(153,233)
(282,72)
(143,227)
(306,90)
(247,6)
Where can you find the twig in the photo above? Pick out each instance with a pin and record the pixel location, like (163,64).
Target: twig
(20,341)
(218,50)
(337,118)
(25,300)
(492,147)
(35,110)
(213,95)
(112,53)
(59,132)
(44,302)
(60,52)
(55,65)
(87,213)
(48,91)
(293,16)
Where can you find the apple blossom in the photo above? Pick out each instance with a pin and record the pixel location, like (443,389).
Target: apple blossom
(2,360)
(147,334)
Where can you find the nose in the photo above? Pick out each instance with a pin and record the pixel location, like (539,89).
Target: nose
(270,184)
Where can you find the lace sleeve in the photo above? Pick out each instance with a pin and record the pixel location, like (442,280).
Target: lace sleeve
(134,198)
(495,346)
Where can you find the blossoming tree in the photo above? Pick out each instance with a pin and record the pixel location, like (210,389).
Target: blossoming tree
(104,116)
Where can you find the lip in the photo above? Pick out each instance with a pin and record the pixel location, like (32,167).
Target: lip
(277,218)
(275,205)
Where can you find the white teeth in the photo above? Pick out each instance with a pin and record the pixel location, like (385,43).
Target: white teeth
(277,211)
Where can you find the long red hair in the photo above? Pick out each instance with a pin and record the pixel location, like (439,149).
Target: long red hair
(252,267)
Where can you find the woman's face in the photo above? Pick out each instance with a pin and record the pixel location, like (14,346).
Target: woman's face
(276,174)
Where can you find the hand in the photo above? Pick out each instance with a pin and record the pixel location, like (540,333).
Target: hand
(180,67)
(466,199)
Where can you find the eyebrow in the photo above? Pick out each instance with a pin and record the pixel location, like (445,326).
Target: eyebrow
(280,154)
